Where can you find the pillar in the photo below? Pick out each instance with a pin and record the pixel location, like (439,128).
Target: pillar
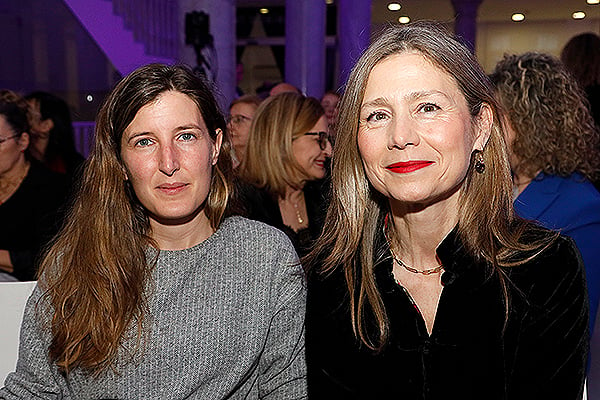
(305,45)
(465,25)
(354,34)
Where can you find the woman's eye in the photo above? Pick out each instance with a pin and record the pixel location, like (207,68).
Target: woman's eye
(187,136)
(429,107)
(143,142)
(376,116)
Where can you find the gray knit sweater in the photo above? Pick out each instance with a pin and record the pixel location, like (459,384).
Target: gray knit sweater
(226,321)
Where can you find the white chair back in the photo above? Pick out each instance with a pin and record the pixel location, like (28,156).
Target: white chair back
(13,296)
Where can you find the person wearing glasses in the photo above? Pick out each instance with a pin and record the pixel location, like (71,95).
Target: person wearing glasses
(241,112)
(285,166)
(31,196)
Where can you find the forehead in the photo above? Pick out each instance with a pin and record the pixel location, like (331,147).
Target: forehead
(243,108)
(408,72)
(168,107)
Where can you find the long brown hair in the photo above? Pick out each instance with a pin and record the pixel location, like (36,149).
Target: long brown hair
(486,218)
(96,274)
(269,161)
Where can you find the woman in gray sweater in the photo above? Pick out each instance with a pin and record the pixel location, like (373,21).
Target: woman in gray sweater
(150,290)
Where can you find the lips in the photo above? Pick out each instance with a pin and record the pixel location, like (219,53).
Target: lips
(408,166)
(172,188)
(320,164)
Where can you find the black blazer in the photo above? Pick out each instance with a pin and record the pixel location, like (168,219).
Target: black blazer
(540,353)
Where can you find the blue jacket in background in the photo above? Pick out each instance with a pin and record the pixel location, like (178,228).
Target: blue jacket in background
(570,205)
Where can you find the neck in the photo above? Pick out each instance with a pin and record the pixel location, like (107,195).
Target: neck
(521,181)
(12,178)
(293,195)
(181,236)
(416,232)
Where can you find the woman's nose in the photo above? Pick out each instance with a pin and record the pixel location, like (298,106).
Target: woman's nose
(169,160)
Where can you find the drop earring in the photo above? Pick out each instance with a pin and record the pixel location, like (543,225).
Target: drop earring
(479,162)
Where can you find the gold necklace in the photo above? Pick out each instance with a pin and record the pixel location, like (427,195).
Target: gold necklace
(298,215)
(9,188)
(429,271)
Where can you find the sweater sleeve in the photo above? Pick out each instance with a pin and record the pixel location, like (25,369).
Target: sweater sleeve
(553,343)
(282,364)
(35,376)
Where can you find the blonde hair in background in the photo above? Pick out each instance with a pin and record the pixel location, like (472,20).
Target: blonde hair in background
(269,161)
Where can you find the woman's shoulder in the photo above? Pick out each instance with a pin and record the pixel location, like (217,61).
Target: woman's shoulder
(550,265)
(256,234)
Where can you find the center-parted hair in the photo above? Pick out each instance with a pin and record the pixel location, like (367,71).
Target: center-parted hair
(356,212)
(96,274)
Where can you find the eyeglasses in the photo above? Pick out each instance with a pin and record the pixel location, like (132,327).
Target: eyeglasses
(238,119)
(2,140)
(323,138)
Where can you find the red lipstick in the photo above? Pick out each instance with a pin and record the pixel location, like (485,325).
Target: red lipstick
(408,166)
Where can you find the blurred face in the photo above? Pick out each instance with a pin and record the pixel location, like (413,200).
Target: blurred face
(40,131)
(168,157)
(416,134)
(330,103)
(239,126)
(11,148)
(308,153)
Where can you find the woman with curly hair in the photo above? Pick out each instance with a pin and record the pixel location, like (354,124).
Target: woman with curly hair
(553,153)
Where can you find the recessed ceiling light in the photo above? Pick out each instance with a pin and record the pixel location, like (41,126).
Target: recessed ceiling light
(593,2)
(394,6)
(328,1)
(578,15)
(517,17)
(404,19)
(264,11)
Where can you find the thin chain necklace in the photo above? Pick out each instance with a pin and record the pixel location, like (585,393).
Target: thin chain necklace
(429,271)
(298,215)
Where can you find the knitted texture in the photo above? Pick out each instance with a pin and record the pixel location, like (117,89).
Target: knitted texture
(226,320)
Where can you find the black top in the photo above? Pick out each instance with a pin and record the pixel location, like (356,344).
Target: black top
(541,355)
(31,217)
(260,205)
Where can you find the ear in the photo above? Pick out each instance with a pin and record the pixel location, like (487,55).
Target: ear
(217,146)
(23,141)
(483,123)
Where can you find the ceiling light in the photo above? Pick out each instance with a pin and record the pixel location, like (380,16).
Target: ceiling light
(331,1)
(264,11)
(404,19)
(394,6)
(517,17)
(578,15)
(593,1)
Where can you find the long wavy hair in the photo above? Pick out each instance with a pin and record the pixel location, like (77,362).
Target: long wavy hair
(548,111)
(486,222)
(97,272)
(270,161)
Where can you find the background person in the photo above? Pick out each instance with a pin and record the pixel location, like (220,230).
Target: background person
(424,284)
(151,290)
(285,166)
(241,112)
(31,196)
(554,153)
(52,137)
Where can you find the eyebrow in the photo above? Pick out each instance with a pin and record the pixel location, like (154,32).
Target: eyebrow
(416,95)
(179,128)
